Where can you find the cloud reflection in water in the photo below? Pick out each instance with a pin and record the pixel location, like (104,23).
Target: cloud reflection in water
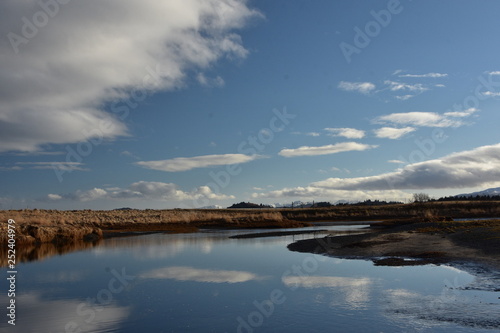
(42,315)
(182,273)
(355,291)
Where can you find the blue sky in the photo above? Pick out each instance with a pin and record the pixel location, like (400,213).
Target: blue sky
(163,104)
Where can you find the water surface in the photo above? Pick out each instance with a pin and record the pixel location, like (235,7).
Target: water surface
(206,282)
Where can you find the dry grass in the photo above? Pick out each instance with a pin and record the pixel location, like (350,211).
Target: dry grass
(190,219)
(119,217)
(429,211)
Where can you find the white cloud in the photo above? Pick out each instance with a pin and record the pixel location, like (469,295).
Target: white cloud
(491,94)
(54,87)
(313,134)
(361,87)
(431,75)
(187,163)
(473,168)
(325,150)
(493,73)
(417,118)
(397,86)
(317,193)
(479,167)
(461,114)
(89,195)
(350,133)
(396,161)
(54,197)
(143,190)
(393,133)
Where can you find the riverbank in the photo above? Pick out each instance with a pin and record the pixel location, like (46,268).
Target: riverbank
(417,243)
(54,226)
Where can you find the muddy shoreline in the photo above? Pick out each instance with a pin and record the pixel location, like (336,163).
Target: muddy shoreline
(417,243)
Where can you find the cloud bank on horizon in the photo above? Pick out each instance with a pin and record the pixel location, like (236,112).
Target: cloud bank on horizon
(477,167)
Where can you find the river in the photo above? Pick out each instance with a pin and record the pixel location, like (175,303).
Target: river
(208,282)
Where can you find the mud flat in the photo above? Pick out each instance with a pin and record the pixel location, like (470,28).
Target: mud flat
(416,243)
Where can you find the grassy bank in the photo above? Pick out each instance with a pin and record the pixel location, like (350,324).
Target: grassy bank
(65,226)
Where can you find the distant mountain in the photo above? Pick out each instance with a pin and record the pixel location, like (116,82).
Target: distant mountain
(212,207)
(490,191)
(295,204)
(301,204)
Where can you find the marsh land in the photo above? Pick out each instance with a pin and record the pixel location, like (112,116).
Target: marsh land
(410,234)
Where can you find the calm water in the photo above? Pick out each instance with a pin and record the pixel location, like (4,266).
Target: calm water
(206,282)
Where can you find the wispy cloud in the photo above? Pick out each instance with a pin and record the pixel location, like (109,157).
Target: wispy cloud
(129,154)
(325,150)
(188,163)
(361,87)
(56,165)
(393,133)
(67,166)
(398,86)
(141,190)
(52,89)
(417,118)
(350,133)
(428,75)
(404,97)
(210,82)
(461,114)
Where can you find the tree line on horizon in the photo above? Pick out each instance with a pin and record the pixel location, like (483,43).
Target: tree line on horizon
(417,198)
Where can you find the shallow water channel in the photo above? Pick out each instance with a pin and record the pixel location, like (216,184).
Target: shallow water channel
(208,282)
